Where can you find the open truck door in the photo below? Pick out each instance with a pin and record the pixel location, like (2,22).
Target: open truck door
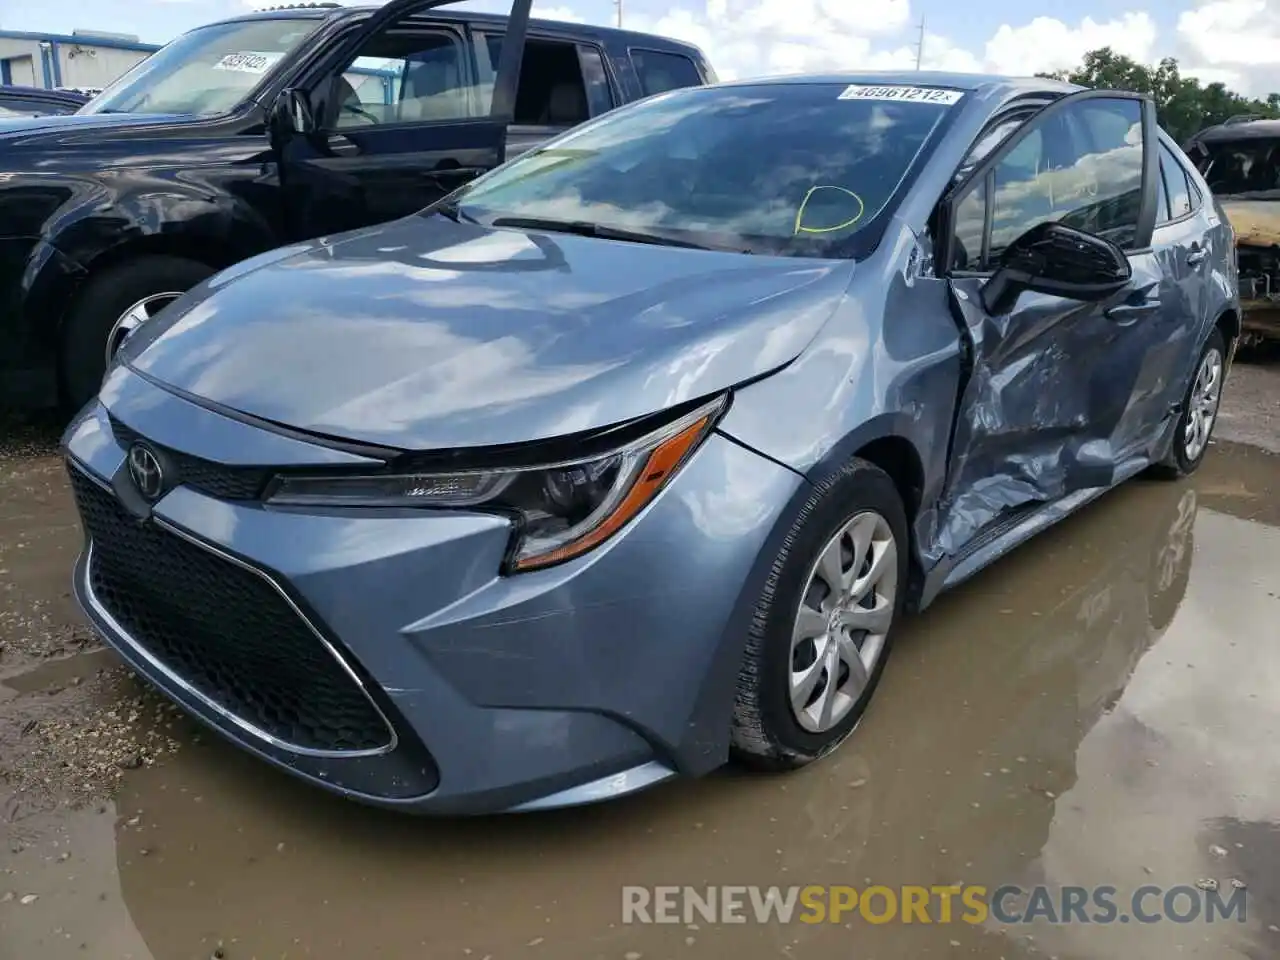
(393,119)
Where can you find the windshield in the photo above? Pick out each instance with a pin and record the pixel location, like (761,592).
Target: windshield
(1242,166)
(207,71)
(783,168)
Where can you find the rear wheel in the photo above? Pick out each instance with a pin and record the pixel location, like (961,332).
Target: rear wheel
(823,629)
(1199,412)
(110,307)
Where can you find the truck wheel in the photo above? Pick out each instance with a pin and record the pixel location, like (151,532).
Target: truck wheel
(112,304)
(823,627)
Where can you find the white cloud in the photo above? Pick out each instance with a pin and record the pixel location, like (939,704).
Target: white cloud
(564,14)
(1232,32)
(757,37)
(746,38)
(1049,44)
(1235,42)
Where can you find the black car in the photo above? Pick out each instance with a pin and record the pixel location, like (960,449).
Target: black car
(18,101)
(268,129)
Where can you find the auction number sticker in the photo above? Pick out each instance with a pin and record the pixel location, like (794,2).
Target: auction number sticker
(859,91)
(248,62)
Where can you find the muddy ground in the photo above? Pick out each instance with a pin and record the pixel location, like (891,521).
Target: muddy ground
(1101,707)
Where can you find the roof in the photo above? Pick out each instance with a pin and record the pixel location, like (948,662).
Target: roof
(629,37)
(923,78)
(1241,130)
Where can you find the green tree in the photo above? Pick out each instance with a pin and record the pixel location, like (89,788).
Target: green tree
(1182,104)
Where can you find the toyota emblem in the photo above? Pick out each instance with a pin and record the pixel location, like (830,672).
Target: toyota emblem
(145,469)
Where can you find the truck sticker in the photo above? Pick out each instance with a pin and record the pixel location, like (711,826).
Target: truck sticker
(861,91)
(249,61)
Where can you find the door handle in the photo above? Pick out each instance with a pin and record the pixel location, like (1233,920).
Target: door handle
(1197,256)
(453,173)
(341,146)
(1129,312)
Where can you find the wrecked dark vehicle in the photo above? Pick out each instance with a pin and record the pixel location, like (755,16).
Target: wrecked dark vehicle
(266,129)
(1240,161)
(631,453)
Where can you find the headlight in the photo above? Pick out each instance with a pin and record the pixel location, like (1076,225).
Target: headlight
(562,509)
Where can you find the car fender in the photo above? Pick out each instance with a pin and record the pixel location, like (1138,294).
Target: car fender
(888,364)
(94,227)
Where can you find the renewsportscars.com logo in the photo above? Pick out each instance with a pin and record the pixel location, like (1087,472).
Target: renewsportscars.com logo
(1204,902)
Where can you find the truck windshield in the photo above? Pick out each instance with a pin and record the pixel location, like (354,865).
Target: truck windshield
(794,169)
(207,71)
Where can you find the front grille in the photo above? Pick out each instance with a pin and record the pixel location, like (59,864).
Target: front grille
(224,630)
(215,479)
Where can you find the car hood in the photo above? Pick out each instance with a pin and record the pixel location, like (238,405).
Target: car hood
(1255,222)
(426,334)
(24,128)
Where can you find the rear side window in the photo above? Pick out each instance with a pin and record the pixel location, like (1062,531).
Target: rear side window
(660,72)
(599,96)
(1176,185)
(553,90)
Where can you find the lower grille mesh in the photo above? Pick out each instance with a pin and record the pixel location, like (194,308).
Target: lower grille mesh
(224,630)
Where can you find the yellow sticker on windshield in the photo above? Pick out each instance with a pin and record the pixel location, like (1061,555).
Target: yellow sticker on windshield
(854,204)
(862,91)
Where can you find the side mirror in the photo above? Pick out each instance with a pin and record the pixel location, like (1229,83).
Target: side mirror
(1058,260)
(291,114)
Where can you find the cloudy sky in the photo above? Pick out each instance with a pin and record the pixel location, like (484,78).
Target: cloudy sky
(1236,41)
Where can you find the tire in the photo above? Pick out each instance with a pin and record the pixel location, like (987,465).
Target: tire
(105,298)
(767,732)
(1184,457)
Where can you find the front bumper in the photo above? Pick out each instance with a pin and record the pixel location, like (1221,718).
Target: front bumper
(1261,318)
(459,690)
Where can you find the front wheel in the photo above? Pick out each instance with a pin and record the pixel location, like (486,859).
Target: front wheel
(1199,412)
(823,628)
(110,307)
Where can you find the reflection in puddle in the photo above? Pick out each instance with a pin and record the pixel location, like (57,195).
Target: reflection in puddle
(1096,709)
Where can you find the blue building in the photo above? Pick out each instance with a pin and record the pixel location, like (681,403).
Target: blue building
(89,60)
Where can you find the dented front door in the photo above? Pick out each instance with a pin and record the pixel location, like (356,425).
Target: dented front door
(1046,407)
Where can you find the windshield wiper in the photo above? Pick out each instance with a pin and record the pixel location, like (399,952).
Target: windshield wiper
(585,228)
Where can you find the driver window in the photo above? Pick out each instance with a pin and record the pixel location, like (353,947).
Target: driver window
(1082,166)
(406,76)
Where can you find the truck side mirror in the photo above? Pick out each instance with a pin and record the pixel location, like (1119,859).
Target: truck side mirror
(291,114)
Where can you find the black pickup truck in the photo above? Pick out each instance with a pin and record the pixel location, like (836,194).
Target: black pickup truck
(268,129)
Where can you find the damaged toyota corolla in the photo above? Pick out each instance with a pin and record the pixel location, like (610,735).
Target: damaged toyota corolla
(631,455)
